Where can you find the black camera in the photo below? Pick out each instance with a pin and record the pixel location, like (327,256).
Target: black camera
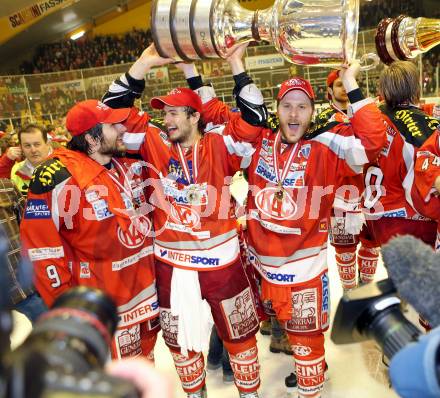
(374,312)
(65,352)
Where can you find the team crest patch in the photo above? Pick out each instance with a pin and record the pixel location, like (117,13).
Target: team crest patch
(271,206)
(305,151)
(176,172)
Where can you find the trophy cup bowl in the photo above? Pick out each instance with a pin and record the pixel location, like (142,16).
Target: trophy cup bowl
(404,38)
(307,32)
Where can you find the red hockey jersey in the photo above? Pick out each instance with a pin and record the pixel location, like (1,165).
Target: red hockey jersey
(76,231)
(389,181)
(194,226)
(288,232)
(427,169)
(350,204)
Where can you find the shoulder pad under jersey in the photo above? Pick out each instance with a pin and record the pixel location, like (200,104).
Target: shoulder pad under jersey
(48,175)
(159,123)
(273,122)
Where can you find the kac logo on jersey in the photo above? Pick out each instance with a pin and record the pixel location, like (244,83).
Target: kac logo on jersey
(84,270)
(136,233)
(185,215)
(37,209)
(269,204)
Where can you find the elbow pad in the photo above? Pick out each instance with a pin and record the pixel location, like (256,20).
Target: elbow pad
(123,92)
(250,101)
(206,93)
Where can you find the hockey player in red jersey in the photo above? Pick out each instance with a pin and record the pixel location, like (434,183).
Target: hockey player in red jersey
(198,266)
(347,219)
(293,176)
(389,195)
(427,179)
(81,226)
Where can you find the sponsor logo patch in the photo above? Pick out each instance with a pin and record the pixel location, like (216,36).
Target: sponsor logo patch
(128,342)
(240,314)
(37,209)
(84,270)
(168,324)
(126,262)
(44,253)
(398,213)
(187,258)
(325,311)
(101,210)
(304,316)
(305,151)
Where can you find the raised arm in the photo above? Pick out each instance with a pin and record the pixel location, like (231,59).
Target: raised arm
(360,141)
(248,98)
(128,87)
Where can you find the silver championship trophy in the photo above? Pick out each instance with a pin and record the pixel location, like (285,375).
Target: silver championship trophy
(307,32)
(404,38)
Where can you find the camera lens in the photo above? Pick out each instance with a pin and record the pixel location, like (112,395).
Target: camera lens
(79,325)
(388,327)
(92,301)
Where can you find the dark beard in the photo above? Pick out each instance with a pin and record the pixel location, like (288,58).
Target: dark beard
(113,150)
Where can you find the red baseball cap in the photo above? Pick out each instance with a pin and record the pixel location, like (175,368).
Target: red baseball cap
(87,114)
(332,76)
(179,96)
(296,83)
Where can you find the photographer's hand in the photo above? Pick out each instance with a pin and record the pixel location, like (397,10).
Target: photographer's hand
(140,371)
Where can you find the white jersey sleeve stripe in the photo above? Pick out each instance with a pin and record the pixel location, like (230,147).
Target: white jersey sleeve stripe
(133,141)
(242,149)
(348,148)
(408,181)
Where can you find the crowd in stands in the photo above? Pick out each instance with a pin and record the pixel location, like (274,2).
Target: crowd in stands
(109,50)
(60,100)
(372,12)
(88,53)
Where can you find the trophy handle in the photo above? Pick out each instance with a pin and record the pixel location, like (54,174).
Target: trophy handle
(370,61)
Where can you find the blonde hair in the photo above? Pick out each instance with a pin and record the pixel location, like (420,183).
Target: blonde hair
(399,84)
